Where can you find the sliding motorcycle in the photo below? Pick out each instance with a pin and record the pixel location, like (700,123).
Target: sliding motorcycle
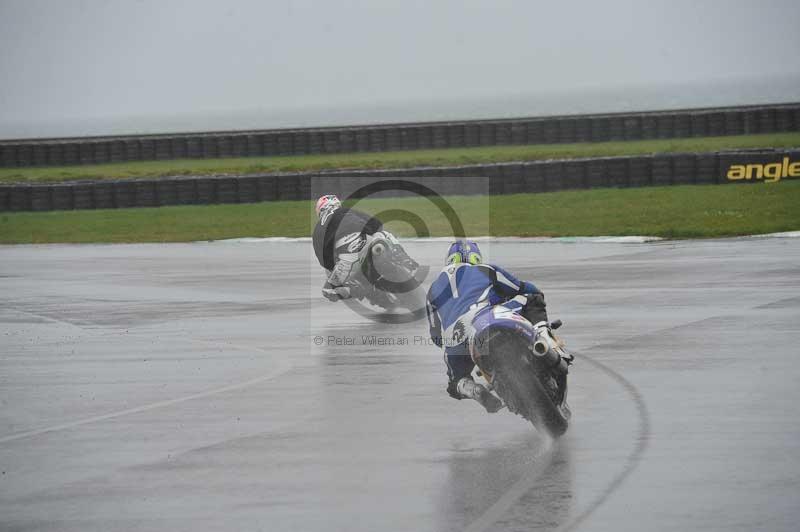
(390,280)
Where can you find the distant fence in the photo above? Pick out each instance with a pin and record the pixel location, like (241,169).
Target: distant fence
(504,178)
(397,137)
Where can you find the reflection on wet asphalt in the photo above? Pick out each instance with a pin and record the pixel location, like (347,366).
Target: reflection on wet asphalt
(208,386)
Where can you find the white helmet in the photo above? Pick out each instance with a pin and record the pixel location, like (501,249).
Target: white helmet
(327,204)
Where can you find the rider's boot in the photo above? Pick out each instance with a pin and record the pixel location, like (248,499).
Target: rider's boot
(472,390)
(335,293)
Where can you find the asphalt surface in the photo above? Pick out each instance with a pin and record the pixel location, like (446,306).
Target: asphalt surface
(181,387)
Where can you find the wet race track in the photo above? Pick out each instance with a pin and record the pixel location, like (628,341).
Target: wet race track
(208,387)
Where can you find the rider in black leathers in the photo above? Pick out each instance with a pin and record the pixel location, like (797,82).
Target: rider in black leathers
(340,239)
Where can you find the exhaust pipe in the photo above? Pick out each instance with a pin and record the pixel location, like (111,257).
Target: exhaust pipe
(543,349)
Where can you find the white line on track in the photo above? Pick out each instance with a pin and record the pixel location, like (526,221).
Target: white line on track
(611,239)
(278,371)
(512,239)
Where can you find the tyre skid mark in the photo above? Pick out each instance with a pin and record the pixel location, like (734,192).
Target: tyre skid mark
(543,459)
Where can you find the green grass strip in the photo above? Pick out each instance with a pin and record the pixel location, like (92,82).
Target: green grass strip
(403,159)
(672,212)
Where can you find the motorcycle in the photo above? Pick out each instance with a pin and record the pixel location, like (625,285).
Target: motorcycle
(389,279)
(525,363)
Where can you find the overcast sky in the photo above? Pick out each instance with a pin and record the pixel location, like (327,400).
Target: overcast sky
(91,65)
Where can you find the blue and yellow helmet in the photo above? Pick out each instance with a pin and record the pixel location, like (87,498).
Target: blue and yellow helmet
(464,251)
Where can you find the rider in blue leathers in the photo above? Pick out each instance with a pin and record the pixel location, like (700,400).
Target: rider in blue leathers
(463,287)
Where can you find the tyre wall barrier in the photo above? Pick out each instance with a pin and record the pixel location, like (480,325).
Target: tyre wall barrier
(399,137)
(504,178)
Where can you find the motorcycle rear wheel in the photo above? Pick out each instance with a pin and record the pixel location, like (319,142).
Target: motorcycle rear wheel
(518,380)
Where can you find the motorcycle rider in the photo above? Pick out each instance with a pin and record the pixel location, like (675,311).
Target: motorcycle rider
(341,237)
(463,287)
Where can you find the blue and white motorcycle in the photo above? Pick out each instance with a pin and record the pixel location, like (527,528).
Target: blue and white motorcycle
(525,363)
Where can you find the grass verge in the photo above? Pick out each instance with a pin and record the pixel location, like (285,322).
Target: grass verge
(671,212)
(404,159)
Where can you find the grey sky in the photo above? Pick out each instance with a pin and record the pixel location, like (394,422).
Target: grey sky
(87,66)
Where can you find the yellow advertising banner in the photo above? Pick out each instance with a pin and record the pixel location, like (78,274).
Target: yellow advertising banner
(770,173)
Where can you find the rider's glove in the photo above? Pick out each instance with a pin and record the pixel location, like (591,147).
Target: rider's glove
(535,309)
(536,301)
